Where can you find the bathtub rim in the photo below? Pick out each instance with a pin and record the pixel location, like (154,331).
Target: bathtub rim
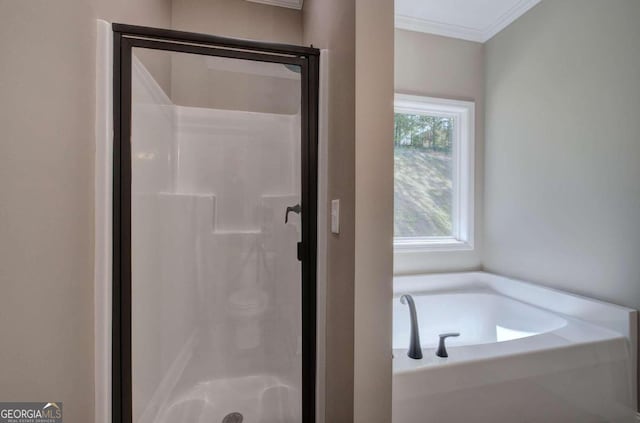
(558,321)
(579,309)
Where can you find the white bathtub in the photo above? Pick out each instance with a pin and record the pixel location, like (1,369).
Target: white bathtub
(525,353)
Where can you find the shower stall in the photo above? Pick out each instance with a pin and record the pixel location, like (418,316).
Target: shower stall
(214,229)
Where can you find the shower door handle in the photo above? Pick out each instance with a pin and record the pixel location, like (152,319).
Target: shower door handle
(297,209)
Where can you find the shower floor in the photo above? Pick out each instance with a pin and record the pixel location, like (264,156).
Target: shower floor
(259,399)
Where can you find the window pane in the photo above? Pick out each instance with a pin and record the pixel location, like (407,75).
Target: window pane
(423,154)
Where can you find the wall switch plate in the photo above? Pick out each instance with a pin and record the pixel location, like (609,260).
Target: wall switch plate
(335,216)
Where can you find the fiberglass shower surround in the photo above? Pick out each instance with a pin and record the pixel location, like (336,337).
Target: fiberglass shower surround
(216,295)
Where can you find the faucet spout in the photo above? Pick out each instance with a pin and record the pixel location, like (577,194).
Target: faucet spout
(415,350)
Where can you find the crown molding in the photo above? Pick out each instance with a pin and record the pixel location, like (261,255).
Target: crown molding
(290,4)
(519,9)
(438,28)
(462,32)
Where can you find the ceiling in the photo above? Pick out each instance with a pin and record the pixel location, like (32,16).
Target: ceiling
(473,20)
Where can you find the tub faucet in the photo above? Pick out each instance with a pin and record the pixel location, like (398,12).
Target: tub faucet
(415,350)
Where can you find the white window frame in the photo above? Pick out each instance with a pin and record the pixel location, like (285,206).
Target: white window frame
(463,113)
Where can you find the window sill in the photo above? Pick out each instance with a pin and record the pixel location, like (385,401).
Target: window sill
(423,245)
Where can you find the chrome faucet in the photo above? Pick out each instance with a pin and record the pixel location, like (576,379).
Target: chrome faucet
(415,350)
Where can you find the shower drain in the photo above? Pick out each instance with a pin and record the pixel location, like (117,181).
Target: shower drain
(233,418)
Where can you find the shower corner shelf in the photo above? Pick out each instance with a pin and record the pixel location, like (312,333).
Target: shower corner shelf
(186,194)
(208,204)
(227,232)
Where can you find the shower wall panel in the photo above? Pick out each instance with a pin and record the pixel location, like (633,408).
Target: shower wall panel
(216,286)
(249,288)
(164,291)
(241,157)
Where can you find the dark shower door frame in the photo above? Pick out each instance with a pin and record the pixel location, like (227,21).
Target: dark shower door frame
(126,37)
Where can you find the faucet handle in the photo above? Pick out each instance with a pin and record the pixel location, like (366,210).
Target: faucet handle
(442,349)
(448,335)
(297,209)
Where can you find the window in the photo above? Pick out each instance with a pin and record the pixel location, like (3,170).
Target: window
(434,170)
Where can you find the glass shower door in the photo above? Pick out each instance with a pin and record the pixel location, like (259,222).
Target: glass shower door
(218,158)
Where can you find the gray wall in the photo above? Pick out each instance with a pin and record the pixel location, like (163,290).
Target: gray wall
(436,66)
(563,149)
(194,84)
(238,19)
(359,37)
(47,110)
(374,211)
(330,24)
(562,162)
(47,113)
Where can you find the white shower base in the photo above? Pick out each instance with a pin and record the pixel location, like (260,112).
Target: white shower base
(258,398)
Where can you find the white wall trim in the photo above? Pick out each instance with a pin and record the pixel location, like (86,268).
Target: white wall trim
(420,245)
(323,230)
(102,222)
(290,4)
(444,29)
